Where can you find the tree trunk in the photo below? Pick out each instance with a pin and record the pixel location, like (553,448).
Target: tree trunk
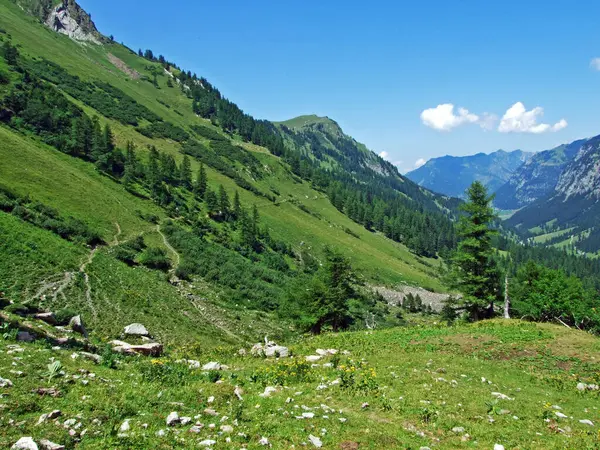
(506,298)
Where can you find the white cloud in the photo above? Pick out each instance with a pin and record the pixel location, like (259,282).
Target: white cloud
(518,120)
(419,162)
(397,163)
(442,117)
(487,121)
(595,64)
(384,154)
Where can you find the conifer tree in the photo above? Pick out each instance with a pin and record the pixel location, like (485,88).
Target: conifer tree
(474,271)
(201,182)
(224,204)
(185,172)
(237,206)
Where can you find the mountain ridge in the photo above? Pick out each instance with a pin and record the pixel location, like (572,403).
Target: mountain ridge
(452,175)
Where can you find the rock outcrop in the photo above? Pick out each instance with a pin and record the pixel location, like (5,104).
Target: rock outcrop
(70,19)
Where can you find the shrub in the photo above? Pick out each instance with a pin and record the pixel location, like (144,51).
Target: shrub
(155,258)
(18,309)
(64,315)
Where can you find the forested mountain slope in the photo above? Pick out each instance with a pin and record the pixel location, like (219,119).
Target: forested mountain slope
(130,172)
(452,175)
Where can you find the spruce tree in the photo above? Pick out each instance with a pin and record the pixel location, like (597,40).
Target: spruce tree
(224,204)
(237,206)
(201,182)
(185,172)
(474,272)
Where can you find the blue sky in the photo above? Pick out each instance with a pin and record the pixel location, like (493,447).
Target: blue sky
(382,68)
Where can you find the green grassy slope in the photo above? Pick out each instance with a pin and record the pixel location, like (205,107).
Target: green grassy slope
(372,254)
(405,388)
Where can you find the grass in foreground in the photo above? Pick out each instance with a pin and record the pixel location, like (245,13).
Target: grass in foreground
(425,386)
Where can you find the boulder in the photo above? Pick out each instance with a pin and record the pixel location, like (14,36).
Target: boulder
(151,349)
(47,317)
(25,336)
(173,419)
(213,365)
(91,356)
(277,351)
(25,443)
(45,444)
(77,325)
(136,329)
(257,350)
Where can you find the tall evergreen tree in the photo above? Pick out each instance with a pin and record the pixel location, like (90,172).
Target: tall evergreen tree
(201,182)
(474,271)
(237,205)
(185,172)
(224,204)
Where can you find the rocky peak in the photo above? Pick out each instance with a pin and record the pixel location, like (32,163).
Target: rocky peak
(70,19)
(582,174)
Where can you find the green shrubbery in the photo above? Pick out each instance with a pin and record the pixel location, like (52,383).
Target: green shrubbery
(155,258)
(548,295)
(48,218)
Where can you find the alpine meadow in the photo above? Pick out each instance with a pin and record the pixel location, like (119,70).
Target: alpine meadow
(178,273)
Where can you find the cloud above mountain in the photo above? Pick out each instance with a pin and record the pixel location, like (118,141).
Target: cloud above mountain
(442,117)
(517,119)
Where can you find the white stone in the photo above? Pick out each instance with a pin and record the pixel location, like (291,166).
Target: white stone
(263,441)
(498,447)
(315,441)
(458,430)
(136,329)
(268,391)
(501,396)
(5,382)
(45,444)
(172,419)
(207,443)
(313,358)
(561,415)
(226,428)
(277,351)
(587,422)
(213,365)
(25,443)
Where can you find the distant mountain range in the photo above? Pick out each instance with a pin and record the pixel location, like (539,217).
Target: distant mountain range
(452,175)
(573,202)
(536,178)
(556,191)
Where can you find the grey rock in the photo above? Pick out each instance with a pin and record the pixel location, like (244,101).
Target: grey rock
(213,365)
(47,317)
(45,444)
(25,443)
(458,430)
(315,441)
(77,325)
(152,349)
(173,419)
(5,382)
(136,329)
(277,351)
(25,336)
